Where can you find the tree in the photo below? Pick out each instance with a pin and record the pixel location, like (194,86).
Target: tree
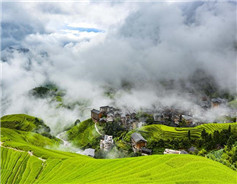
(113,128)
(202,152)
(229,129)
(161,143)
(216,137)
(230,142)
(204,134)
(189,135)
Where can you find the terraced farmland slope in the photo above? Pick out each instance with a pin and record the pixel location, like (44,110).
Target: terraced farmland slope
(24,122)
(84,134)
(157,132)
(20,167)
(24,159)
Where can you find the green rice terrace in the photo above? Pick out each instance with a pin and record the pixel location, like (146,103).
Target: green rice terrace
(21,167)
(157,132)
(28,157)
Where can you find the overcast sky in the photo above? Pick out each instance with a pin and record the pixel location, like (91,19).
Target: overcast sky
(82,46)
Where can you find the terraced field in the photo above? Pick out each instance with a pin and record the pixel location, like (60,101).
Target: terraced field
(28,157)
(24,122)
(20,167)
(84,134)
(157,132)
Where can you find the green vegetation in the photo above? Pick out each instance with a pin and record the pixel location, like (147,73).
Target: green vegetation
(156,132)
(205,137)
(114,129)
(226,156)
(10,136)
(25,123)
(48,90)
(55,95)
(84,135)
(20,167)
(30,141)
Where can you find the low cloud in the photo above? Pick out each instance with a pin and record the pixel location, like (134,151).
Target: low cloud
(141,45)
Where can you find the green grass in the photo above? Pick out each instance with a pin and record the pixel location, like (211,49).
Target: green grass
(24,122)
(11,135)
(19,167)
(156,132)
(84,134)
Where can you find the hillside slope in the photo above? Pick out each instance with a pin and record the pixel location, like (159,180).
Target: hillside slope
(156,132)
(25,160)
(84,134)
(24,122)
(28,157)
(20,167)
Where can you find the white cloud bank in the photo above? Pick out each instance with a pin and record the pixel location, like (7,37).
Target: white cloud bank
(141,43)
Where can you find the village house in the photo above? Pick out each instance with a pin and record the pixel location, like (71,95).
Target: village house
(110,117)
(133,115)
(139,144)
(107,143)
(158,117)
(134,123)
(188,119)
(111,114)
(117,115)
(123,120)
(104,109)
(170,151)
(174,116)
(216,102)
(145,151)
(138,141)
(103,120)
(192,149)
(89,152)
(96,115)
(177,118)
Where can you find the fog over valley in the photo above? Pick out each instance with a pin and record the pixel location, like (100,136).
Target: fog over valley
(60,60)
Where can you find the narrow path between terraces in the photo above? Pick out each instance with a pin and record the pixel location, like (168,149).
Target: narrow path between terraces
(61,136)
(97,130)
(29,152)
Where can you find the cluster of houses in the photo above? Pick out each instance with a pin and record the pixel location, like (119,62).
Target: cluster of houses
(170,116)
(137,141)
(110,114)
(175,116)
(106,145)
(130,121)
(212,103)
(127,120)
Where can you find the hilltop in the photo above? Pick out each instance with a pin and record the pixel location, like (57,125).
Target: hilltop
(25,123)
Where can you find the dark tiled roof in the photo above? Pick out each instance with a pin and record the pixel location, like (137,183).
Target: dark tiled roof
(146,150)
(137,137)
(104,106)
(89,152)
(218,100)
(183,152)
(95,111)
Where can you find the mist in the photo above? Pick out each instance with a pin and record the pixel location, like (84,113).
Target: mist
(146,53)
